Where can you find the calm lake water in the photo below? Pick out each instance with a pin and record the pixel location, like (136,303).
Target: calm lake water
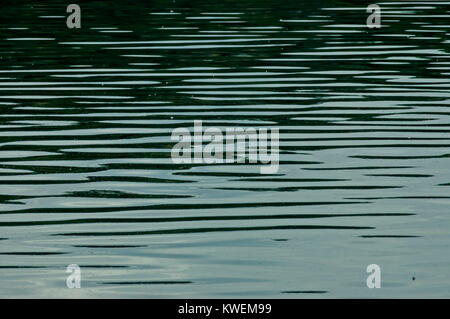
(86,175)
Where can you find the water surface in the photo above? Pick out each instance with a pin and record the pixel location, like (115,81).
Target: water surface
(85,170)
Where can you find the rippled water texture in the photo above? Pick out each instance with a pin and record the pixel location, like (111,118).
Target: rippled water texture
(85,170)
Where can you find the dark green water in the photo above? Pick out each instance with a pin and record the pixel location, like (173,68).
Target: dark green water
(85,170)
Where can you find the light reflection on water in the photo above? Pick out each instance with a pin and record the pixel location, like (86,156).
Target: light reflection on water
(86,175)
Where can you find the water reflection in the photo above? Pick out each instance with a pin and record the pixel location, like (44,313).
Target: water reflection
(85,170)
